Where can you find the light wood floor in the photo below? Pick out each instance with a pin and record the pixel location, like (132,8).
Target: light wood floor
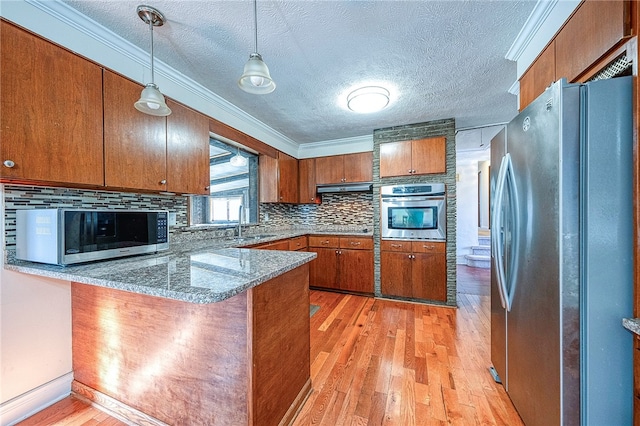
(381,362)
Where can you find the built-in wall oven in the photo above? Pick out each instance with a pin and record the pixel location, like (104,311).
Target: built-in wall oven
(415,211)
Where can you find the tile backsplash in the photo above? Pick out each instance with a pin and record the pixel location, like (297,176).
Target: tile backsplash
(350,211)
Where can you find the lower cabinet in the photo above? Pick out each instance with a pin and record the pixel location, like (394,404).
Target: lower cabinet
(343,263)
(414,269)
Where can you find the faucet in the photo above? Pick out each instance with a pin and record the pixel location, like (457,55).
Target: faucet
(240,216)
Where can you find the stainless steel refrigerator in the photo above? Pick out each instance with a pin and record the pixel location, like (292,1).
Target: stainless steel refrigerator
(562,255)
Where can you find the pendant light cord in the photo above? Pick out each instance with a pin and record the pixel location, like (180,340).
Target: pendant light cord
(151,29)
(255,23)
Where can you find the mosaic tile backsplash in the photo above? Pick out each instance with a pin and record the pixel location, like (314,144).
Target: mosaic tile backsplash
(352,211)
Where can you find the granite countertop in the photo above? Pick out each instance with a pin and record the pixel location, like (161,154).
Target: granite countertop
(632,324)
(196,271)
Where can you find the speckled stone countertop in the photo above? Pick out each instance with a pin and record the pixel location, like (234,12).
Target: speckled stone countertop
(632,324)
(196,271)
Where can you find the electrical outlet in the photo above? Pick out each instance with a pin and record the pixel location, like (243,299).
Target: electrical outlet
(172,218)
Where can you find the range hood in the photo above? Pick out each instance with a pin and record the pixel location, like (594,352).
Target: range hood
(345,187)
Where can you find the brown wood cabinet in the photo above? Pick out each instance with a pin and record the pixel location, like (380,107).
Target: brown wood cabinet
(298,243)
(344,168)
(135,144)
(413,269)
(188,168)
(416,157)
(51,120)
(152,153)
(343,263)
(594,29)
(278,179)
(241,361)
(539,76)
(307,181)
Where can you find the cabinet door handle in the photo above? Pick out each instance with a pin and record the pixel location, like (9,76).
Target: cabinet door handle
(396,245)
(206,188)
(429,247)
(9,163)
(163,182)
(324,242)
(354,243)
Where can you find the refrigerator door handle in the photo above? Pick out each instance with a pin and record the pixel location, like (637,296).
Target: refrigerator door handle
(509,283)
(498,241)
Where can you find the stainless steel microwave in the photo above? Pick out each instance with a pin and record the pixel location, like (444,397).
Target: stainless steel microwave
(68,236)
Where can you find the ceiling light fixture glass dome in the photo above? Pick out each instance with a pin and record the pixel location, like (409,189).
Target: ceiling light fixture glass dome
(368,99)
(256,78)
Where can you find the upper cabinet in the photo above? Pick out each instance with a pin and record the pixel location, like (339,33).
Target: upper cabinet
(146,152)
(416,157)
(188,169)
(307,181)
(135,144)
(278,179)
(51,120)
(581,45)
(344,168)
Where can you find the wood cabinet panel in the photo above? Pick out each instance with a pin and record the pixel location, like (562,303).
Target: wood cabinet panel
(344,168)
(395,159)
(395,274)
(298,243)
(358,167)
(329,169)
(417,272)
(429,277)
(356,243)
(278,179)
(135,144)
(287,178)
(307,181)
(323,270)
(51,120)
(356,270)
(187,151)
(415,157)
(594,28)
(324,241)
(429,156)
(539,76)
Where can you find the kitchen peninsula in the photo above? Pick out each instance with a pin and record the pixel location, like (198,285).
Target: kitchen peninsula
(195,335)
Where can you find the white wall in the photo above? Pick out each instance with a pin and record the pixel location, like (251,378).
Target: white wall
(35,340)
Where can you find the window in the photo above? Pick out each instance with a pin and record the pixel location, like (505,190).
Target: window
(232,185)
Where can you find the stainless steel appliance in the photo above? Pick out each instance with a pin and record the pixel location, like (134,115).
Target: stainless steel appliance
(416,211)
(66,236)
(562,251)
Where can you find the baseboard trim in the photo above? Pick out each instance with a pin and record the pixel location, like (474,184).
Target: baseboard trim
(35,400)
(113,407)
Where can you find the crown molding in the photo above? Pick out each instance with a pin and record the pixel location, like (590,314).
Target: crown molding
(229,113)
(538,16)
(336,146)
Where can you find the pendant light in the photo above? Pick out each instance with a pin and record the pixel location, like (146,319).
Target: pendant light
(256,78)
(238,160)
(151,100)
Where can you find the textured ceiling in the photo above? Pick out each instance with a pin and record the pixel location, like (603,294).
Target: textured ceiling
(440,59)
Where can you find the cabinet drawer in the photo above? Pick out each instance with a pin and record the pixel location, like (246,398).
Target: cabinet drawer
(395,245)
(356,243)
(324,241)
(298,243)
(428,247)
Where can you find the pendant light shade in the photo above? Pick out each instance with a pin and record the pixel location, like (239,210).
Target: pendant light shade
(256,78)
(238,160)
(151,100)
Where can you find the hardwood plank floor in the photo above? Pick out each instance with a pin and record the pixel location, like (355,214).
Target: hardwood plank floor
(382,362)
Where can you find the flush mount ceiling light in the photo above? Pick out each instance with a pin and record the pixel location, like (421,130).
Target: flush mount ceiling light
(238,160)
(151,100)
(256,78)
(368,99)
